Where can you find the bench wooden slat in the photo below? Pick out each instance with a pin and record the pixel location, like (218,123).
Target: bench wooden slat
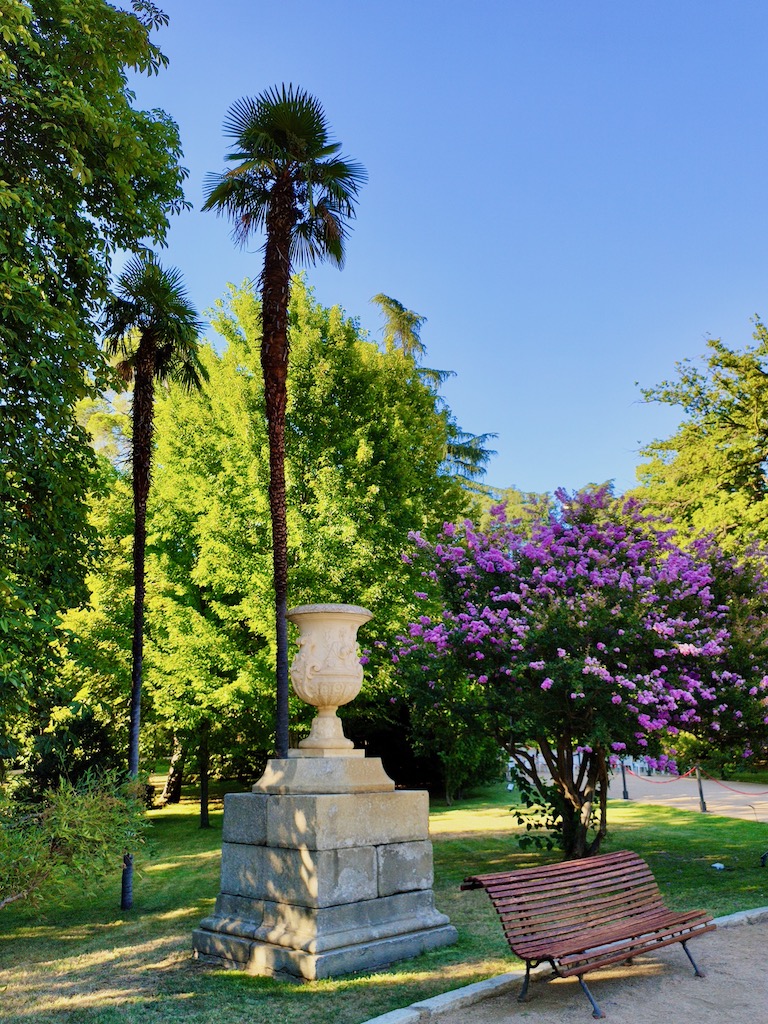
(573,869)
(579,966)
(574,940)
(642,896)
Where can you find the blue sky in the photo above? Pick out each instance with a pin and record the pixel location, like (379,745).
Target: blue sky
(573,194)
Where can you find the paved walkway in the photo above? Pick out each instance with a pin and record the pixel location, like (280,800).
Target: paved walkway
(731,799)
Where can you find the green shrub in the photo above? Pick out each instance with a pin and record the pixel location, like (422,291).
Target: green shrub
(77,834)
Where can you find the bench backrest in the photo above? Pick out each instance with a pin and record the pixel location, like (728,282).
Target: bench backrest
(573,896)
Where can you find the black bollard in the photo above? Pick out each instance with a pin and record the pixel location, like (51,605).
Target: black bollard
(702,805)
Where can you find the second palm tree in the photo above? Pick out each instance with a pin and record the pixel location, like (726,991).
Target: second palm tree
(152,327)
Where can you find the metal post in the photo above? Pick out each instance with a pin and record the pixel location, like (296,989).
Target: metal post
(625,794)
(702,805)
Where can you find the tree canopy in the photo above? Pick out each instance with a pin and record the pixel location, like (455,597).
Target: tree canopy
(82,173)
(365,446)
(710,476)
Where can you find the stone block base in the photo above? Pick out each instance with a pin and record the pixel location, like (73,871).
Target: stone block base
(230,951)
(319,930)
(324,883)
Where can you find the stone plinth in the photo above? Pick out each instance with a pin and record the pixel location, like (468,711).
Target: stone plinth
(326,869)
(306,773)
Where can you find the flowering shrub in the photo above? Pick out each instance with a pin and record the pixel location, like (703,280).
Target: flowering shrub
(596,635)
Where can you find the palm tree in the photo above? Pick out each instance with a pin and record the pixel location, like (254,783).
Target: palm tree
(466,455)
(153,328)
(402,327)
(289,182)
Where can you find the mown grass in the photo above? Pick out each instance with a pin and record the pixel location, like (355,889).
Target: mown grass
(88,963)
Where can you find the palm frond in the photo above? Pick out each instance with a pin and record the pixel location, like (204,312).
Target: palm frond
(283,133)
(151,302)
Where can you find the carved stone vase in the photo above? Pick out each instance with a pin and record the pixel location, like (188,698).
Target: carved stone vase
(326,671)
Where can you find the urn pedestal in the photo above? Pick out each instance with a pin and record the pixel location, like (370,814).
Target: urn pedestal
(326,867)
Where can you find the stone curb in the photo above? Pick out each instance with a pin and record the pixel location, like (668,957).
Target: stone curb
(756,916)
(429,1010)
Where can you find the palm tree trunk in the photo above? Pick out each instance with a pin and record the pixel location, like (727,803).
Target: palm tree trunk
(137,645)
(275,296)
(142,417)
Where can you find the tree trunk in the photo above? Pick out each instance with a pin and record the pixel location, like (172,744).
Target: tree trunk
(172,790)
(275,296)
(126,882)
(577,789)
(204,758)
(590,786)
(142,416)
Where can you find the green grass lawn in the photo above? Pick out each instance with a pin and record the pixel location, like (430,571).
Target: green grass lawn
(90,963)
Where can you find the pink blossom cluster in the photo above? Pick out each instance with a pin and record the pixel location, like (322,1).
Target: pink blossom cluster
(597,622)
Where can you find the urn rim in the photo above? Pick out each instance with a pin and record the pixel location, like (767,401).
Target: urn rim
(320,609)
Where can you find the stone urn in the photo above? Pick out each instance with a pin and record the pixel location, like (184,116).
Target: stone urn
(326,671)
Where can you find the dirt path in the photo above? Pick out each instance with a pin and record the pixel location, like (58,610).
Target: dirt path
(654,990)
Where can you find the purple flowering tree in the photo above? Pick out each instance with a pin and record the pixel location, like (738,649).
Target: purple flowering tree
(594,636)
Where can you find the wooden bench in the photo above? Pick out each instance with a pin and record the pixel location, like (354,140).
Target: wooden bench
(584,914)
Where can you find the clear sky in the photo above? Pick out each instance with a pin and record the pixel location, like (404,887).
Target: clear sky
(575,194)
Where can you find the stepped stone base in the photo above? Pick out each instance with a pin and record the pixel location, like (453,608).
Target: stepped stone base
(324,883)
(292,942)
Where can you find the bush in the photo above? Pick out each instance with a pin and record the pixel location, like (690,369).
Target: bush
(76,833)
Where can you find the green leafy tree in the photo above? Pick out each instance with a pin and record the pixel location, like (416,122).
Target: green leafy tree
(710,476)
(152,325)
(94,679)
(197,678)
(289,182)
(457,733)
(82,173)
(201,677)
(365,445)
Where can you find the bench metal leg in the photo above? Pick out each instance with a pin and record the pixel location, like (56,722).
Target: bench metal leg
(597,1013)
(524,989)
(699,974)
